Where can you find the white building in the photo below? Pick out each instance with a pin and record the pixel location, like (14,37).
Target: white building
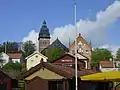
(109,65)
(5,58)
(15,57)
(34,59)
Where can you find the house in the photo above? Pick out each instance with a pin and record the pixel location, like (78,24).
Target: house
(48,76)
(68,60)
(109,65)
(83,46)
(15,57)
(5,58)
(7,82)
(34,59)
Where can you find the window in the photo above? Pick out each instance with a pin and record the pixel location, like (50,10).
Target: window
(87,51)
(36,56)
(62,60)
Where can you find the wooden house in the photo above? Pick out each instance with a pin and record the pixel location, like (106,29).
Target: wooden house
(68,60)
(7,82)
(47,76)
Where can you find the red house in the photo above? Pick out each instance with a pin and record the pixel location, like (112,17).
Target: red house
(69,61)
(7,82)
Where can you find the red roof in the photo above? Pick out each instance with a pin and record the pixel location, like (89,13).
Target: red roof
(15,55)
(106,64)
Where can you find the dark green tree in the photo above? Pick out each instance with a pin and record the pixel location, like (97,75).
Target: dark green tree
(12,67)
(54,53)
(9,47)
(100,54)
(28,48)
(118,54)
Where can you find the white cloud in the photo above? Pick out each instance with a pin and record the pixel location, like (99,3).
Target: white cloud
(33,36)
(112,48)
(92,30)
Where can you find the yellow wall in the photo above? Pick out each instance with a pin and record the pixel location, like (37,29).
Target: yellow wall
(33,60)
(45,74)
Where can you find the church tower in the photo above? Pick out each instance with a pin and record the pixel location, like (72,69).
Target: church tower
(44,37)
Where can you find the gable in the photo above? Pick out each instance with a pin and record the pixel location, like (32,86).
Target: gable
(44,74)
(65,58)
(69,58)
(34,60)
(36,53)
(81,42)
(82,57)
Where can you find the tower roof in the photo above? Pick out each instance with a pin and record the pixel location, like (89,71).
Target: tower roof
(58,44)
(44,31)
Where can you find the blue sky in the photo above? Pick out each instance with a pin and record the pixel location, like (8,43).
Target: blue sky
(19,17)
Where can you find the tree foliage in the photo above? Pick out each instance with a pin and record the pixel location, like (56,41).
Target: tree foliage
(12,67)
(28,48)
(100,54)
(118,54)
(53,53)
(10,47)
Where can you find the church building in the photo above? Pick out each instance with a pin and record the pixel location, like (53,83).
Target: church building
(44,37)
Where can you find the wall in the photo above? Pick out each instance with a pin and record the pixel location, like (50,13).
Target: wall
(34,60)
(5,57)
(108,69)
(45,74)
(69,62)
(37,84)
(43,43)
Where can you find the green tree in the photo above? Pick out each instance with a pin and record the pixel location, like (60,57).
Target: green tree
(28,48)
(54,53)
(12,67)
(118,54)
(100,54)
(9,47)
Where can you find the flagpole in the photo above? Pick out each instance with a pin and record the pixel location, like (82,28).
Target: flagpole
(75,15)
(5,47)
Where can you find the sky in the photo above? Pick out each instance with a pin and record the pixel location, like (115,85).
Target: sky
(98,21)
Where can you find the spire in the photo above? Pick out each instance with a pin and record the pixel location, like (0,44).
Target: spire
(69,42)
(90,42)
(79,34)
(44,31)
(44,23)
